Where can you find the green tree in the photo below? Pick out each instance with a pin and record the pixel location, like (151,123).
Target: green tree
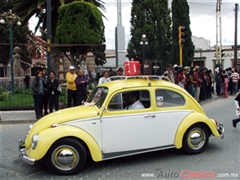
(180,17)
(28,8)
(163,33)
(151,18)
(79,23)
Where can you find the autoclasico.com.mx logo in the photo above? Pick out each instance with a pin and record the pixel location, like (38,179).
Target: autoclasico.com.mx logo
(185,174)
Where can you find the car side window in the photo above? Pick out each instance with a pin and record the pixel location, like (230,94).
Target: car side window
(167,98)
(119,101)
(116,102)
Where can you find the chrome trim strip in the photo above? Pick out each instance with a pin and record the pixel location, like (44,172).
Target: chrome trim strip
(127,153)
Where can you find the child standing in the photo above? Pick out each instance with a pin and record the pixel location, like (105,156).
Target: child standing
(181,82)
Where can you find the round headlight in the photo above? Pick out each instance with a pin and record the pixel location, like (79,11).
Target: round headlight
(35,139)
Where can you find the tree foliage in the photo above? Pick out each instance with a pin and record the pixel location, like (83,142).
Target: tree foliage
(151,18)
(79,23)
(20,35)
(180,17)
(28,8)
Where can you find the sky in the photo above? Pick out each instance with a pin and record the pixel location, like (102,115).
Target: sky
(202,17)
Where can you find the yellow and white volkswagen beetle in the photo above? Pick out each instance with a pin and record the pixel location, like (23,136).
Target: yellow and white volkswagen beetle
(106,128)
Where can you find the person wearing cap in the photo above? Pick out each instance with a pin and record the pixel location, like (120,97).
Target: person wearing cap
(71,86)
(174,70)
(168,73)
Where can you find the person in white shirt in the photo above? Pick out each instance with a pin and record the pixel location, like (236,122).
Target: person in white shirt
(104,78)
(131,100)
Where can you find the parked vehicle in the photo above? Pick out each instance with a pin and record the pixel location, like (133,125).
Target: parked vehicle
(104,128)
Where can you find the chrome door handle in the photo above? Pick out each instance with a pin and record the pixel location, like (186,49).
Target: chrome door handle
(150,116)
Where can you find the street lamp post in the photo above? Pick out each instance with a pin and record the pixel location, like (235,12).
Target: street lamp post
(10,18)
(143,42)
(49,37)
(200,50)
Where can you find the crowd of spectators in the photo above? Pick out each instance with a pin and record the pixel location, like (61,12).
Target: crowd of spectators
(202,82)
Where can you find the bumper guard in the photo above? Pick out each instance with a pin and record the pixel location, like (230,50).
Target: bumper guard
(220,129)
(23,154)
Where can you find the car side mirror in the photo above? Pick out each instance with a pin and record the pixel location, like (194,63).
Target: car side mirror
(104,109)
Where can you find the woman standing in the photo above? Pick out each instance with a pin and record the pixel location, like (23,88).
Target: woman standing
(225,86)
(38,93)
(81,83)
(191,83)
(53,93)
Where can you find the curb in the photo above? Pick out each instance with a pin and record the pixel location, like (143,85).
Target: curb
(17,121)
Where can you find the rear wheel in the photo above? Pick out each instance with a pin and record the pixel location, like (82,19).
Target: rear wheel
(66,156)
(195,139)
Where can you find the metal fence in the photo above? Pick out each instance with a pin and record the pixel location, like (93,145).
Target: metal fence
(22,98)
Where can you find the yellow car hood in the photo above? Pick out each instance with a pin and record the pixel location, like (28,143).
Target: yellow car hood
(62,116)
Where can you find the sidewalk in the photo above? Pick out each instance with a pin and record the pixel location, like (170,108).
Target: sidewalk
(13,117)
(28,116)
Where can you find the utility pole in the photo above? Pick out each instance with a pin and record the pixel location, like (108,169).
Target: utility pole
(218,34)
(49,37)
(235,36)
(119,37)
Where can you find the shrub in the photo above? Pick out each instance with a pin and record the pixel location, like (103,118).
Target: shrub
(64,91)
(27,92)
(2,89)
(3,93)
(18,91)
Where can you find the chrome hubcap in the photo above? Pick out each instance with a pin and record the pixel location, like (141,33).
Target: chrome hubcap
(65,157)
(196,138)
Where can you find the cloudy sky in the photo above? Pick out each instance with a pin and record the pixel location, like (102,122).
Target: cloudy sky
(202,16)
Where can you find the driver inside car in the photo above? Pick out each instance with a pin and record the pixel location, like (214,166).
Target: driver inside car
(131,100)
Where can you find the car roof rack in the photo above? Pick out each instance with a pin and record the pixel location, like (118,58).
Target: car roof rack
(147,77)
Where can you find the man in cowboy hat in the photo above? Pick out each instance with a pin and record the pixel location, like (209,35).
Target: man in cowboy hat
(168,73)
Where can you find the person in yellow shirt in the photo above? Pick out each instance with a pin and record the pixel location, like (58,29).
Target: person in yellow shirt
(71,86)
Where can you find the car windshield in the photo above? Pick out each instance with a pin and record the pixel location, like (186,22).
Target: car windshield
(98,96)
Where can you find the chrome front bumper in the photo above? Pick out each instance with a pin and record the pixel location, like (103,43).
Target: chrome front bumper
(220,129)
(23,154)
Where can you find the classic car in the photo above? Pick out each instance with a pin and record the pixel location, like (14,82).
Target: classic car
(104,128)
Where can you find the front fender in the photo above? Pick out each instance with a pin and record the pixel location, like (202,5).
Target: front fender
(49,136)
(190,120)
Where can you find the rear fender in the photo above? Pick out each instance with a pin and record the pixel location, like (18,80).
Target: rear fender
(190,120)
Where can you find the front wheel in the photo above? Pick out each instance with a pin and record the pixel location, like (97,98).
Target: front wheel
(66,156)
(195,139)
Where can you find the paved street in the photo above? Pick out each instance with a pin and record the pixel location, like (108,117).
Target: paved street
(220,157)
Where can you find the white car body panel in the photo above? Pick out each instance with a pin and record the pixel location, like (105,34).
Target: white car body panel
(91,126)
(128,132)
(167,125)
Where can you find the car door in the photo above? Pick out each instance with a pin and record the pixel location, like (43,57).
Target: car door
(170,113)
(127,130)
